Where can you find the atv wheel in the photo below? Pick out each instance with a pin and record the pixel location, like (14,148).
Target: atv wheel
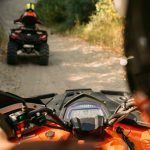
(12,53)
(44,54)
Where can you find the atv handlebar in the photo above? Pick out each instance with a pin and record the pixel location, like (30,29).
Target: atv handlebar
(38,116)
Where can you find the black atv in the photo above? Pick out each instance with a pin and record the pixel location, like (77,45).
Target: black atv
(27,40)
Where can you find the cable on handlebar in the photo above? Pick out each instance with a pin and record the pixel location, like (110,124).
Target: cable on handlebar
(52,114)
(122,111)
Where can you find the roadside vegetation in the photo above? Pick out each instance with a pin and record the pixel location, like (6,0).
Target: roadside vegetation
(93,20)
(2,38)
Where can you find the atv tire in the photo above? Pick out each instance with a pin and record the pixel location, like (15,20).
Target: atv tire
(12,53)
(44,54)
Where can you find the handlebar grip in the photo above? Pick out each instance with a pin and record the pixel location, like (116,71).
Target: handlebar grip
(6,127)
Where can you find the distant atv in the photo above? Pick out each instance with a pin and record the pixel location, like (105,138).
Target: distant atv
(26,40)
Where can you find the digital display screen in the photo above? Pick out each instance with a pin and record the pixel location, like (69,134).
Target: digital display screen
(85,113)
(85,109)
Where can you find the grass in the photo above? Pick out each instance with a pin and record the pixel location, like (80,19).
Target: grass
(100,33)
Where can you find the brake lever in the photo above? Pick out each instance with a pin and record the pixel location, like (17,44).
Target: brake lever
(120,115)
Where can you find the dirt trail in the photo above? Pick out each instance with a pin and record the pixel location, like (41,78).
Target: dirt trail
(73,64)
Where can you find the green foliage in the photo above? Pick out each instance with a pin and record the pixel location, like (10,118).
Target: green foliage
(105,27)
(65,12)
(51,11)
(79,11)
(106,11)
(92,20)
